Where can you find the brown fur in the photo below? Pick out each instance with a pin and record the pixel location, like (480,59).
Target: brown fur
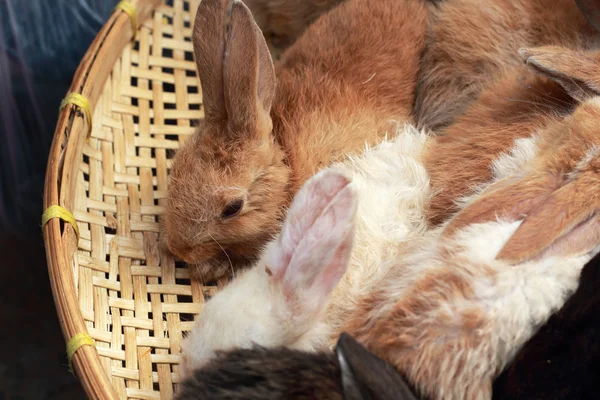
(470,42)
(284,21)
(516,103)
(371,85)
(336,91)
(460,159)
(558,189)
(577,71)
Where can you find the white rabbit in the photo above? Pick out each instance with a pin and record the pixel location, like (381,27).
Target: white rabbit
(289,297)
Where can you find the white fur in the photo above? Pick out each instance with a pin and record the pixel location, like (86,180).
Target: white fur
(588,157)
(511,163)
(393,190)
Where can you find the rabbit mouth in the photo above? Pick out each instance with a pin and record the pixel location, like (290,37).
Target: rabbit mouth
(198,255)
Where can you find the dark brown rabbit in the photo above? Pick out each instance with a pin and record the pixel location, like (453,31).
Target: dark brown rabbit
(471,42)
(337,89)
(351,373)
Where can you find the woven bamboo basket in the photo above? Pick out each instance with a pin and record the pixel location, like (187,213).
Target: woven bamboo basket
(109,168)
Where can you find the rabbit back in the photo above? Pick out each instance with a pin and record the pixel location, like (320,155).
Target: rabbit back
(470,42)
(350,74)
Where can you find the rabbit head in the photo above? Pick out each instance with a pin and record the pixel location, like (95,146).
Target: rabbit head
(228,181)
(280,299)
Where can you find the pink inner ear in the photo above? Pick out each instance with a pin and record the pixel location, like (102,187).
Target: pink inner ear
(323,250)
(321,258)
(582,239)
(309,204)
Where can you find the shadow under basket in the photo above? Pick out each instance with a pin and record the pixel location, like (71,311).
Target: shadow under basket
(137,98)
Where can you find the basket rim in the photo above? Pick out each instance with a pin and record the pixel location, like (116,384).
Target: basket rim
(69,136)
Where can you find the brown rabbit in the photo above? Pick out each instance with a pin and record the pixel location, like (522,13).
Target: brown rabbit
(527,99)
(338,88)
(462,157)
(471,42)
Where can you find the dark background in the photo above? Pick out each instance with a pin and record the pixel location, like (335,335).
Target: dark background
(41,44)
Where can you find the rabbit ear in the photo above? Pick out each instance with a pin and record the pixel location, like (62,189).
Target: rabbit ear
(510,198)
(366,376)
(209,50)
(565,223)
(576,71)
(591,11)
(248,73)
(313,248)
(556,219)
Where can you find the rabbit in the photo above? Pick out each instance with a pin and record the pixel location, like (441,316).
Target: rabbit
(455,309)
(550,85)
(470,42)
(283,21)
(560,361)
(349,373)
(308,279)
(261,139)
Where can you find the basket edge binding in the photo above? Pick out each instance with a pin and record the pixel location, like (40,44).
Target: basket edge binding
(59,188)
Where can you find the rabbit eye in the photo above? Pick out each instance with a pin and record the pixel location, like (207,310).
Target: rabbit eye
(232,208)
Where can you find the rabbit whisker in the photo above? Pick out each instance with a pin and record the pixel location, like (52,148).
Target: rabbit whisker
(369,80)
(226,255)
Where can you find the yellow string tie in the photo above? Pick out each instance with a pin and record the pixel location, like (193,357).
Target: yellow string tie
(75,343)
(82,102)
(59,212)
(129,9)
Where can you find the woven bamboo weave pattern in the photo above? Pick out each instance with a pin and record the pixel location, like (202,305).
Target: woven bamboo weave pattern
(135,301)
